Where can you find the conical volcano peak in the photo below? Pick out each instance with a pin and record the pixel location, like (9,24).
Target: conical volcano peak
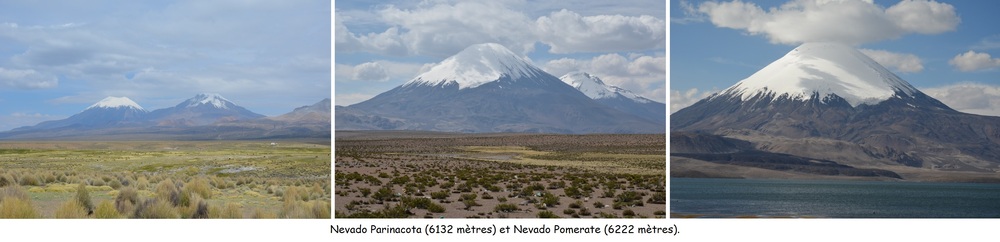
(824,68)
(213,99)
(476,65)
(116,102)
(595,88)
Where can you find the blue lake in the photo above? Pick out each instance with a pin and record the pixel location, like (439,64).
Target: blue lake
(710,197)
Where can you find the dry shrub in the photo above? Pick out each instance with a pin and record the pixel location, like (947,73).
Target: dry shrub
(196,208)
(199,186)
(71,209)
(142,183)
(126,201)
(6,180)
(259,214)
(15,203)
(230,210)
(156,208)
(296,209)
(115,184)
(30,180)
(321,209)
(167,191)
(17,208)
(106,209)
(83,198)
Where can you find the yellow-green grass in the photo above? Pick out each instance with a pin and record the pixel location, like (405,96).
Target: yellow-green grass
(217,172)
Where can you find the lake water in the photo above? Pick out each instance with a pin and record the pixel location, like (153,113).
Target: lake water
(838,199)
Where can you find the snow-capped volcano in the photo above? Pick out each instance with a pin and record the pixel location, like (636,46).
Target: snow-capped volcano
(213,99)
(615,97)
(829,101)
(595,88)
(488,88)
(109,112)
(476,65)
(202,109)
(823,68)
(116,102)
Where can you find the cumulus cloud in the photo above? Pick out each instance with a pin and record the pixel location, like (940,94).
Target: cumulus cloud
(568,32)
(445,29)
(682,99)
(899,62)
(370,71)
(642,74)
(441,29)
(969,97)
(26,79)
(380,71)
(974,61)
(850,22)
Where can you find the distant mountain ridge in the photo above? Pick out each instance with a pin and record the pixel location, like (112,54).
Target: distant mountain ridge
(205,116)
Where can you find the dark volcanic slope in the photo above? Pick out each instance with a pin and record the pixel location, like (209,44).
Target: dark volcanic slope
(547,106)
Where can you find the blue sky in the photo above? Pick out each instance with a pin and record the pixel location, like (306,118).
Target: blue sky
(59,57)
(382,45)
(715,44)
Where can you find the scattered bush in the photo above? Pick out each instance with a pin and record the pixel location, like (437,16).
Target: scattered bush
(230,210)
(547,214)
(17,208)
(506,208)
(569,211)
(83,197)
(628,213)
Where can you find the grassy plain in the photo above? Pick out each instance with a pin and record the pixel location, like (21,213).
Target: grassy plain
(165,179)
(434,175)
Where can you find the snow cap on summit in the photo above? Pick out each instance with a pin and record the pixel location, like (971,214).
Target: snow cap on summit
(208,98)
(476,65)
(116,102)
(595,88)
(823,68)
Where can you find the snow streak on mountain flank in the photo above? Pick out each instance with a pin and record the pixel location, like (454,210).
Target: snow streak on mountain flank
(595,88)
(209,98)
(823,68)
(476,65)
(116,102)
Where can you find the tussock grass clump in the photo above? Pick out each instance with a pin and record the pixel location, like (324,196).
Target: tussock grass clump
(258,214)
(166,190)
(17,208)
(6,180)
(547,214)
(30,180)
(106,209)
(196,207)
(127,200)
(15,203)
(83,198)
(506,208)
(230,210)
(71,209)
(156,208)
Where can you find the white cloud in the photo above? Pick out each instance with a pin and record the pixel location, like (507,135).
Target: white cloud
(899,62)
(26,79)
(850,22)
(568,32)
(370,71)
(682,99)
(969,97)
(974,61)
(444,29)
(349,99)
(380,71)
(988,43)
(642,74)
(441,29)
